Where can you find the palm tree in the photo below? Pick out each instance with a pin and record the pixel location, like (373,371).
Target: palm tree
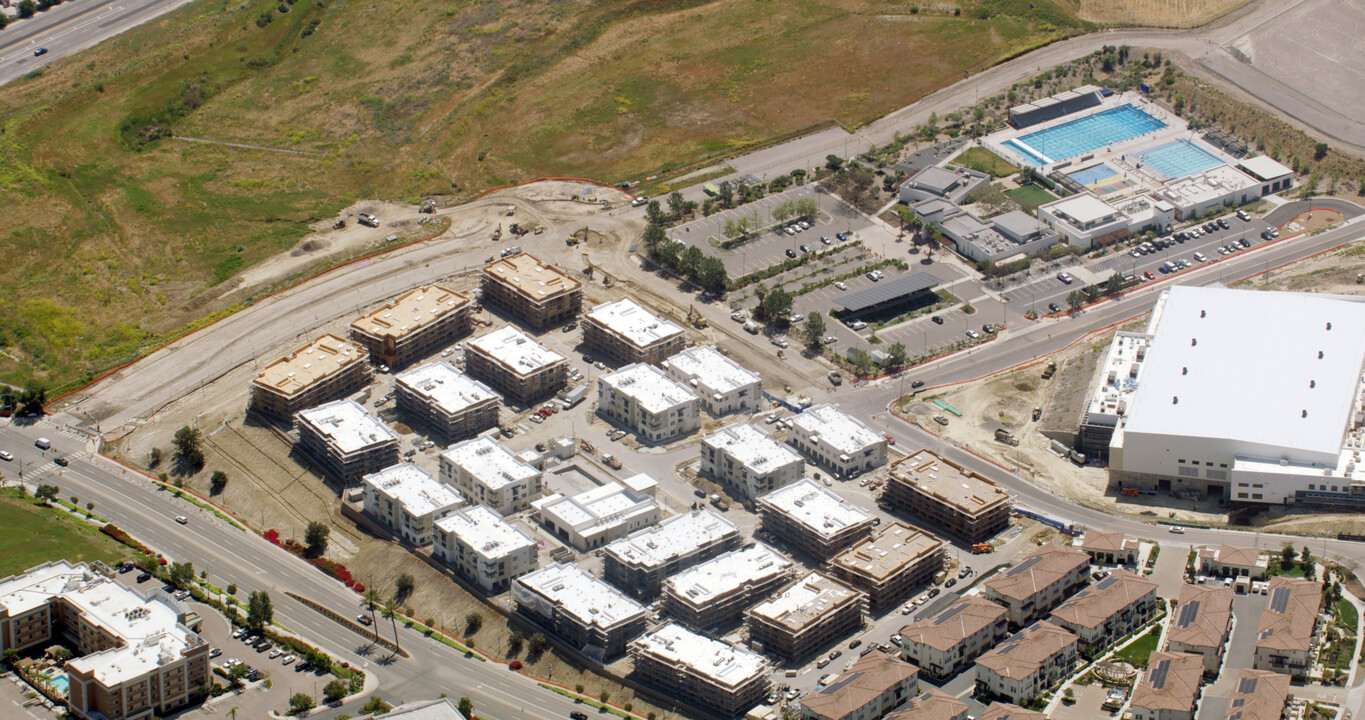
(372,603)
(391,614)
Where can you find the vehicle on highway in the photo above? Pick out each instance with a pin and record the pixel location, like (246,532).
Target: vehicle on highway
(1177,530)
(578,715)
(6,455)
(40,51)
(889,440)
(917,384)
(363,619)
(181,519)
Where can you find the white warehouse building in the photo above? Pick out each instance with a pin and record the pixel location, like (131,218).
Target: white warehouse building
(1251,396)
(723,386)
(749,463)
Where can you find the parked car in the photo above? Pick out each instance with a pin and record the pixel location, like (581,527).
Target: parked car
(1064,277)
(791,253)
(144,577)
(841,285)
(937,320)
(1054,307)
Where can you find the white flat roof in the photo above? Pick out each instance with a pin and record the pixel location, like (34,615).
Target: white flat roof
(1264,167)
(583,596)
(347,424)
(484,530)
(840,431)
(1244,365)
(818,508)
(489,462)
(805,600)
(1083,208)
(418,492)
(726,573)
(751,448)
(674,537)
(604,505)
(636,324)
(516,350)
(446,387)
(709,368)
(641,483)
(150,628)
(649,386)
(721,663)
(1206,185)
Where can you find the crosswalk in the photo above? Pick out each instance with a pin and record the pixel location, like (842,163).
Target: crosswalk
(51,467)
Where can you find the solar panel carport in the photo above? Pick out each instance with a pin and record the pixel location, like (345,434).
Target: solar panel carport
(885,294)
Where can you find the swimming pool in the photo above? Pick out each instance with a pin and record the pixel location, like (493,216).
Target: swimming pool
(1177,159)
(1093,174)
(1084,134)
(58,680)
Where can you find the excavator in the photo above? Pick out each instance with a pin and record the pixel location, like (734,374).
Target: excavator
(589,269)
(698,320)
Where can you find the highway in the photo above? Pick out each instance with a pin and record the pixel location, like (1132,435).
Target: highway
(69,28)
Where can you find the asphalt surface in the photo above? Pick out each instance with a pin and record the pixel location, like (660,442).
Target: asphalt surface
(69,28)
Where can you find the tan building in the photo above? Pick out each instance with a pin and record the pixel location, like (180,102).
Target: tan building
(416,324)
(1169,688)
(1006,711)
(1259,695)
(947,643)
(1108,547)
(445,401)
(931,705)
(875,685)
(814,519)
(959,501)
(541,295)
(1031,661)
(1233,561)
(1039,582)
(134,656)
(1201,624)
(1107,611)
(324,370)
(1285,636)
(520,368)
(891,564)
(717,592)
(722,678)
(345,440)
(628,333)
(805,617)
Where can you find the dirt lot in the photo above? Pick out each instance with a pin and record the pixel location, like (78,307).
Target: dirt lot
(1333,272)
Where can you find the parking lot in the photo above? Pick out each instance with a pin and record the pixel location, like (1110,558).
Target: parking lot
(1208,244)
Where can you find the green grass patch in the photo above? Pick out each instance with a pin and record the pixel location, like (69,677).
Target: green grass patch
(1139,650)
(585,700)
(1277,568)
(983,160)
(36,534)
(1030,197)
(1346,614)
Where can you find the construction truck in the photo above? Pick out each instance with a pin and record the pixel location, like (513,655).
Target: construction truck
(695,317)
(982,548)
(1050,370)
(1007,437)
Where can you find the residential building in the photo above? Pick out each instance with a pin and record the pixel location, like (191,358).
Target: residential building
(628,333)
(541,295)
(324,370)
(408,501)
(1284,640)
(873,686)
(722,385)
(445,401)
(487,473)
(596,517)
(413,326)
(935,182)
(959,501)
(837,441)
(717,676)
(1038,582)
(639,562)
(345,441)
(805,617)
(1107,611)
(814,519)
(520,368)
(890,564)
(1233,561)
(1169,688)
(134,656)
(747,462)
(1028,663)
(948,642)
(931,705)
(1108,547)
(484,548)
(1201,624)
(642,398)
(716,593)
(1259,695)
(587,613)
(1006,711)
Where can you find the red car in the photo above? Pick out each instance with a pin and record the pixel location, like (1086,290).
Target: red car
(889,440)
(1149,275)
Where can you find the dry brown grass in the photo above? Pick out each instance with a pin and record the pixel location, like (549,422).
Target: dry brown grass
(1158,13)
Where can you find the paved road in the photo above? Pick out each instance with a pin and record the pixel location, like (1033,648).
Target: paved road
(70,28)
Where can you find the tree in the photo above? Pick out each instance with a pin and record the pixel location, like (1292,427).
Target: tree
(232,589)
(466,707)
(34,397)
(371,603)
(391,614)
(815,327)
(27,8)
(1320,151)
(154,458)
(187,444)
(654,213)
(8,401)
(315,539)
(992,197)
(897,355)
(726,194)
(1075,300)
(799,176)
(1287,557)
(776,306)
(863,364)
(782,212)
(652,237)
(711,275)
(690,260)
(676,204)
(535,645)
(1306,561)
(259,610)
(237,672)
(334,691)
(4,20)
(218,482)
(1114,284)
(805,208)
(182,574)
(833,162)
(472,622)
(46,493)
(403,586)
(301,703)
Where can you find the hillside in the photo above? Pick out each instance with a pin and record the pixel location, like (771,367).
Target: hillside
(119,234)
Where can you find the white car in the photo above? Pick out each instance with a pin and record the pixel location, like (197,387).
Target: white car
(181,519)
(288,659)
(841,285)
(6,456)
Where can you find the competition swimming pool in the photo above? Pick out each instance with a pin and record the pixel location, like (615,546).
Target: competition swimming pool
(1084,134)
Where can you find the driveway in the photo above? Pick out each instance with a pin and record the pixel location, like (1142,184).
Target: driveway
(1169,573)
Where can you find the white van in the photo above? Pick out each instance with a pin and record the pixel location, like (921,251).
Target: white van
(43,444)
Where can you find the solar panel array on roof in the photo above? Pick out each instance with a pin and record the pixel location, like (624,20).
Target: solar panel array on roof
(839,684)
(1157,678)
(1246,686)
(1279,599)
(1188,612)
(886,291)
